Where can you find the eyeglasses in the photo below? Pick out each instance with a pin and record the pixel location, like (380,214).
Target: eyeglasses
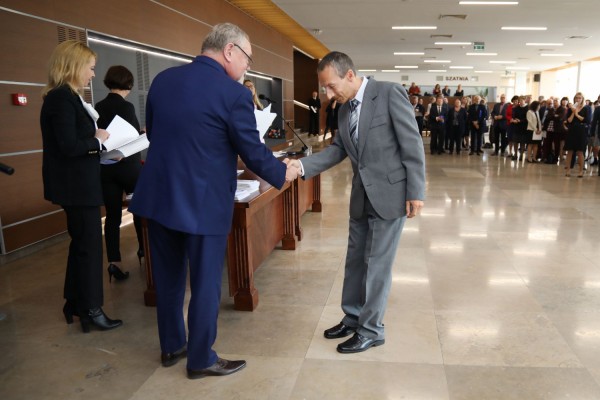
(246,54)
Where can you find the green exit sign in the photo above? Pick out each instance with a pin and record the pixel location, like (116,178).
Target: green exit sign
(478,46)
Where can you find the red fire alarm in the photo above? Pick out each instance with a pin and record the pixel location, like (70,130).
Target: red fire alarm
(19,99)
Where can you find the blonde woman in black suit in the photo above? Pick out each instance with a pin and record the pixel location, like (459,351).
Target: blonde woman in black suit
(71,176)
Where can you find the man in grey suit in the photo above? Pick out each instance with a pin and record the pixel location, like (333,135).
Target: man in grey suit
(378,132)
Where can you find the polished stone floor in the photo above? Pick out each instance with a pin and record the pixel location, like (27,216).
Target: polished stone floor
(495,295)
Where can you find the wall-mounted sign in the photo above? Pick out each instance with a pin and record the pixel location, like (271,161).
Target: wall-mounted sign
(478,46)
(457,78)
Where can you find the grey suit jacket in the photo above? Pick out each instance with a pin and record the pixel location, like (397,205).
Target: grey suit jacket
(389,164)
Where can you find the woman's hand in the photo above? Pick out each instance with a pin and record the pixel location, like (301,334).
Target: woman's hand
(102,134)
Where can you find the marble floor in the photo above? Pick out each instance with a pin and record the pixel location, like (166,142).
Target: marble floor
(495,295)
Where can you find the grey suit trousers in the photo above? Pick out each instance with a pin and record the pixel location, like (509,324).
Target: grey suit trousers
(372,244)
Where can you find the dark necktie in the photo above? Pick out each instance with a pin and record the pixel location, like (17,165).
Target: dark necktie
(354,121)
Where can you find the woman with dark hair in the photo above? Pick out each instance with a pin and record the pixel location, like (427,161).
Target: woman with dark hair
(437,90)
(118,176)
(71,175)
(331,121)
(576,141)
(534,129)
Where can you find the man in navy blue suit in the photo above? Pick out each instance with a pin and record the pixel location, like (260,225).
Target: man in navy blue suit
(199,118)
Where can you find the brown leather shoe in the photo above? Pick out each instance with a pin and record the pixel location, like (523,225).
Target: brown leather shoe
(220,368)
(170,359)
(338,331)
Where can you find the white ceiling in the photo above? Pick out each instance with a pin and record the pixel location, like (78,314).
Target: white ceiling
(363,30)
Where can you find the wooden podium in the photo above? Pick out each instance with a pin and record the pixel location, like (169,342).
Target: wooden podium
(260,223)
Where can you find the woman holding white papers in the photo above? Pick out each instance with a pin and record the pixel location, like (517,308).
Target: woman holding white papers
(118,176)
(71,175)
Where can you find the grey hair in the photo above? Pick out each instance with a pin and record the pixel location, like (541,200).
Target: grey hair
(341,62)
(222,34)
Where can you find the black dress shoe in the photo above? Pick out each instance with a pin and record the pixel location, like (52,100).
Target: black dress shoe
(220,368)
(358,343)
(170,359)
(338,331)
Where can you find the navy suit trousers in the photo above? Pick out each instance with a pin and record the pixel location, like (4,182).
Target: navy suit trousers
(171,251)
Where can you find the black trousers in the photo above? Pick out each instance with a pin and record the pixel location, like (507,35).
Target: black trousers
(476,139)
(117,179)
(436,145)
(454,135)
(500,140)
(83,280)
(313,124)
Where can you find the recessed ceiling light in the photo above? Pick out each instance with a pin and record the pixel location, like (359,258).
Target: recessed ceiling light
(543,44)
(483,72)
(436,70)
(488,3)
(482,54)
(390,70)
(408,53)
(367,70)
(555,55)
(460,67)
(437,61)
(503,62)
(524,28)
(414,27)
(453,43)
(406,66)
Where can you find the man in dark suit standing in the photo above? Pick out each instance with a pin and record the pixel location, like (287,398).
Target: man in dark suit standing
(419,112)
(198,118)
(499,126)
(378,132)
(437,125)
(314,105)
(476,116)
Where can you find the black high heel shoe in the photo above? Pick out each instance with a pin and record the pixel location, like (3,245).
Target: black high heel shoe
(115,271)
(140,254)
(69,310)
(96,317)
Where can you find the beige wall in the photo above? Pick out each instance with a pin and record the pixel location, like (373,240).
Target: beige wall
(29,30)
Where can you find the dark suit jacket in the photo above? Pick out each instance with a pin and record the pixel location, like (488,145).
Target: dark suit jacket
(112,105)
(389,163)
(433,114)
(198,120)
(71,161)
(595,126)
(316,103)
(460,116)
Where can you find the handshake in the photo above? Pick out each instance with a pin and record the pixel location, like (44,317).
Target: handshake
(294,170)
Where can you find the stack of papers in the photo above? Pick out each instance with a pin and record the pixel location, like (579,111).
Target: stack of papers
(124,140)
(246,188)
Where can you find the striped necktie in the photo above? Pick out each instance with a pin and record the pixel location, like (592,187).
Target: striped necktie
(354,121)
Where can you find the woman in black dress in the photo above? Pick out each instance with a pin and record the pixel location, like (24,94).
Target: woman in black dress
(577,117)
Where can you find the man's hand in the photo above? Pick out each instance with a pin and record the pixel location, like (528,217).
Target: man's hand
(413,207)
(293,169)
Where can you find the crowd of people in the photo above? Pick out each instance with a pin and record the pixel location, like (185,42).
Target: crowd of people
(545,130)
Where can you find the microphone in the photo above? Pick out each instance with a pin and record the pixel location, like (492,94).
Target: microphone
(6,169)
(263,97)
(304,147)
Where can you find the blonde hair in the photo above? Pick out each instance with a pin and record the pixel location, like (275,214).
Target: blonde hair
(66,64)
(255,99)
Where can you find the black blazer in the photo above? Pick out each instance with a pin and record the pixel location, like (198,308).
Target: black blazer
(115,104)
(71,159)
(461,117)
(433,113)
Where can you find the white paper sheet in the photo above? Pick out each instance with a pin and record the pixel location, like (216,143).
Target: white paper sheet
(121,132)
(264,120)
